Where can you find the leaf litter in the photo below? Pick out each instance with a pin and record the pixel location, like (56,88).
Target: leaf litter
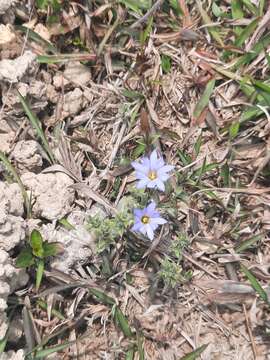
(121,80)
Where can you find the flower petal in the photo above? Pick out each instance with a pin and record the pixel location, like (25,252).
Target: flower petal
(136,226)
(158,221)
(154,160)
(140,167)
(150,209)
(138,213)
(166,168)
(150,232)
(160,185)
(142,183)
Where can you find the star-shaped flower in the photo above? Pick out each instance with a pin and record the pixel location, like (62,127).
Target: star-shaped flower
(152,172)
(147,220)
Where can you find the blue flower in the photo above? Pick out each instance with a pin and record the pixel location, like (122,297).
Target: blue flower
(147,220)
(152,172)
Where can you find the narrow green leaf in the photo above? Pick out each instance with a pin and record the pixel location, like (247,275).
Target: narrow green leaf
(52,249)
(198,144)
(194,354)
(36,243)
(101,296)
(36,125)
(234,129)
(237,12)
(132,94)
(122,322)
(166,63)
(144,35)
(255,51)
(213,30)
(46,352)
(255,284)
(185,158)
(252,8)
(55,312)
(130,354)
(16,177)
(25,258)
(67,225)
(248,243)
(261,7)
(246,32)
(39,272)
(3,343)
(204,100)
(225,174)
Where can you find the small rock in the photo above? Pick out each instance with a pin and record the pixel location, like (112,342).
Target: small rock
(12,226)
(77,73)
(5,142)
(27,156)
(13,355)
(73,103)
(11,198)
(52,195)
(5,5)
(13,70)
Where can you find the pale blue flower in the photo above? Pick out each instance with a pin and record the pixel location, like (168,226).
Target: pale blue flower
(147,220)
(152,172)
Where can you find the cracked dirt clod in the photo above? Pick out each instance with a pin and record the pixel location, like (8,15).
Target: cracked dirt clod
(10,280)
(5,5)
(12,225)
(13,70)
(27,156)
(79,244)
(51,194)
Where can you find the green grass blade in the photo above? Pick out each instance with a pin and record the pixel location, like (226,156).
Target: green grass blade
(207,20)
(204,100)
(255,284)
(3,343)
(248,243)
(101,296)
(130,354)
(237,11)
(251,8)
(39,273)
(122,322)
(246,32)
(36,125)
(261,7)
(46,352)
(16,177)
(194,354)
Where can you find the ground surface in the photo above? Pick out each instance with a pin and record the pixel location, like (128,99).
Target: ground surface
(109,82)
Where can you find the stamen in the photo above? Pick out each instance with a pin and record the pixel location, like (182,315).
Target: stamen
(152,175)
(145,219)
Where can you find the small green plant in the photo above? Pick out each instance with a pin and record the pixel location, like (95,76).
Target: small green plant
(35,254)
(109,230)
(171,271)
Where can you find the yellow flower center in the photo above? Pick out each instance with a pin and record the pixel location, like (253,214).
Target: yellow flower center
(145,219)
(152,175)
